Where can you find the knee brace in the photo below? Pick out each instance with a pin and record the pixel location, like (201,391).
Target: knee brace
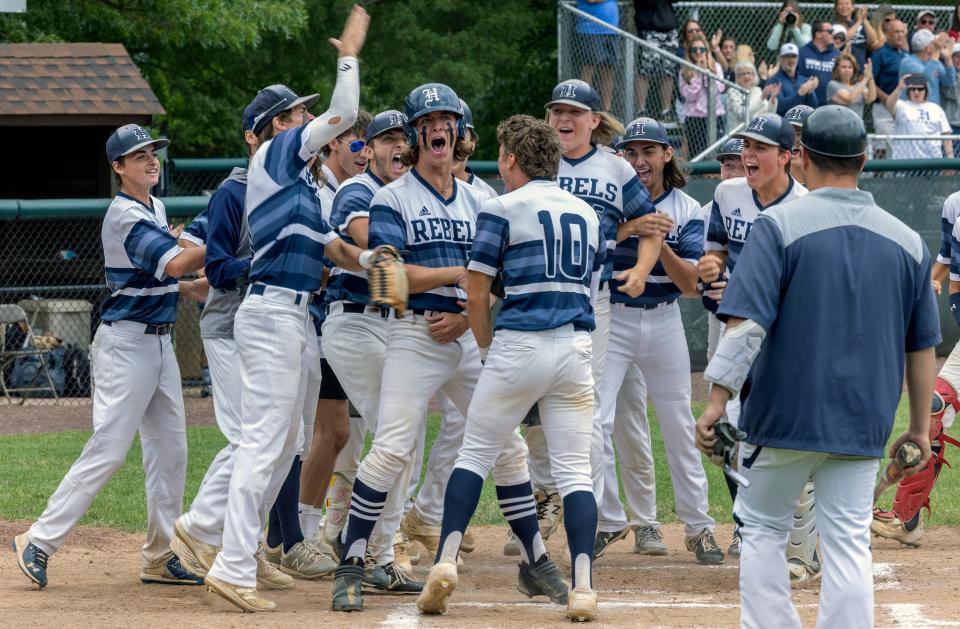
(803,536)
(913,492)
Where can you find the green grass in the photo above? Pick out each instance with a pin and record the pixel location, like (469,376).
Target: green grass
(32,465)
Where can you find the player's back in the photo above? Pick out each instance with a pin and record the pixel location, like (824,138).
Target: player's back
(545,240)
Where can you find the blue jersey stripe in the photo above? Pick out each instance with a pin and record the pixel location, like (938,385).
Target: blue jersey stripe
(544,311)
(150,309)
(146,244)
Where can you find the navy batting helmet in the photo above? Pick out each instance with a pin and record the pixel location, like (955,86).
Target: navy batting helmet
(834,131)
(730,147)
(385,121)
(431,97)
(769,129)
(798,114)
(644,130)
(467,114)
(576,93)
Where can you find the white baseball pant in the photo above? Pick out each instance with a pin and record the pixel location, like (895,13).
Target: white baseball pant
(136,387)
(844,512)
(552,366)
(273,335)
(443,455)
(354,344)
(654,341)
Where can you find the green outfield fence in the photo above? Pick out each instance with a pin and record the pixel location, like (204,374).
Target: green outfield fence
(51,260)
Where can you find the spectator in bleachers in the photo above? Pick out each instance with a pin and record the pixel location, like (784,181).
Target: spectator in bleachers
(928,50)
(795,88)
(789,27)
(840,41)
(926,21)
(817,57)
(881,21)
(656,23)
(918,116)
(886,73)
(690,29)
(601,45)
(843,91)
(694,90)
(757,100)
(725,54)
(860,32)
(951,96)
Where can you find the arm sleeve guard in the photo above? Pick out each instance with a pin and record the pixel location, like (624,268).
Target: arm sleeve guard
(736,351)
(344,104)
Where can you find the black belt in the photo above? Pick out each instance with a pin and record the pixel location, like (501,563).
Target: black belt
(258,289)
(604,284)
(159,330)
(423,311)
(351,307)
(650,306)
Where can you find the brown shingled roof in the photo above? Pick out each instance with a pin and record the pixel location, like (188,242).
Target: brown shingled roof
(72,79)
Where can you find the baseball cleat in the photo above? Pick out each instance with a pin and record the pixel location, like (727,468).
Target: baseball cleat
(247,599)
(705,547)
(170,572)
(390,579)
(512,547)
(801,572)
(194,555)
(31,559)
(400,556)
(605,539)
(893,528)
(273,555)
(305,561)
(543,579)
(441,582)
(416,529)
(648,540)
(734,549)
(269,576)
(348,587)
(468,543)
(582,604)
(549,512)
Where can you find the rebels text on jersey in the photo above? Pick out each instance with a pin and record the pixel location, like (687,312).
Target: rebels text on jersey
(610,186)
(546,241)
(411,215)
(735,207)
(685,238)
(137,245)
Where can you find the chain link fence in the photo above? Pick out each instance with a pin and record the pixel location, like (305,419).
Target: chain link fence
(644,76)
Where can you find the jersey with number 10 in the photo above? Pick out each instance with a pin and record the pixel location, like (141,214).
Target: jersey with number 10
(610,186)
(546,241)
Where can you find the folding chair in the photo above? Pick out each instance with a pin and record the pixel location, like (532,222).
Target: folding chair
(12,314)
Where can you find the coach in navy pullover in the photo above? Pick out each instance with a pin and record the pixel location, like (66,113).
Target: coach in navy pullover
(817,58)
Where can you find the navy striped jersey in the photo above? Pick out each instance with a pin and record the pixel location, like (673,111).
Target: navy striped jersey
(545,240)
(283,212)
(137,245)
(352,201)
(410,214)
(196,231)
(829,373)
(954,261)
(685,238)
(951,209)
(611,187)
(735,207)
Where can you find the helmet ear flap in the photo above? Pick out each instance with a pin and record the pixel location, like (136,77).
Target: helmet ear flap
(461,128)
(411,132)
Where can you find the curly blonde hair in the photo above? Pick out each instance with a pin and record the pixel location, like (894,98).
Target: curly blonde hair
(534,143)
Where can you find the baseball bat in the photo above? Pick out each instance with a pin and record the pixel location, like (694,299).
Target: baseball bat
(908,455)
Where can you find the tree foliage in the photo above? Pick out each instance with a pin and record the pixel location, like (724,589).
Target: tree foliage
(205,59)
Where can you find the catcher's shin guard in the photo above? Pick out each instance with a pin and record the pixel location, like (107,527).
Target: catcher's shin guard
(913,492)
(802,545)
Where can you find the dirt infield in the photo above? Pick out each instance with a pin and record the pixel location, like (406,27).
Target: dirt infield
(93,584)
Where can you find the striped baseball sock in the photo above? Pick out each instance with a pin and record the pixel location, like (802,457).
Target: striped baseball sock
(520,510)
(580,520)
(366,504)
(459,503)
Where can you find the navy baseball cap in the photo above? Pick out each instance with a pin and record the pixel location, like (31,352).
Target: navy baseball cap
(769,129)
(644,130)
(798,114)
(576,93)
(383,122)
(131,138)
(918,79)
(269,102)
(730,147)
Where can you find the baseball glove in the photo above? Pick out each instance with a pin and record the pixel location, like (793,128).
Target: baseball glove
(388,279)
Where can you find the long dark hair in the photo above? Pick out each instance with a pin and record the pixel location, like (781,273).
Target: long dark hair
(955,23)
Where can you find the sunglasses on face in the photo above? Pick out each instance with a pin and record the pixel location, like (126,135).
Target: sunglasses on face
(698,49)
(927,21)
(694,30)
(355,146)
(916,89)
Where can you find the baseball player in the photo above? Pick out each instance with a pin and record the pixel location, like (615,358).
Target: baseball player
(272,325)
(543,241)
(134,368)
(431,214)
(731,166)
(462,170)
(612,188)
(355,338)
(829,423)
(647,331)
(903,522)
(797,116)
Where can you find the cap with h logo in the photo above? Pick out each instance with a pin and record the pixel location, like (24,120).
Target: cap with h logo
(770,129)
(575,93)
(269,102)
(130,138)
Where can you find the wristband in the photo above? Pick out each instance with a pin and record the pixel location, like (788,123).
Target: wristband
(366,259)
(486,350)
